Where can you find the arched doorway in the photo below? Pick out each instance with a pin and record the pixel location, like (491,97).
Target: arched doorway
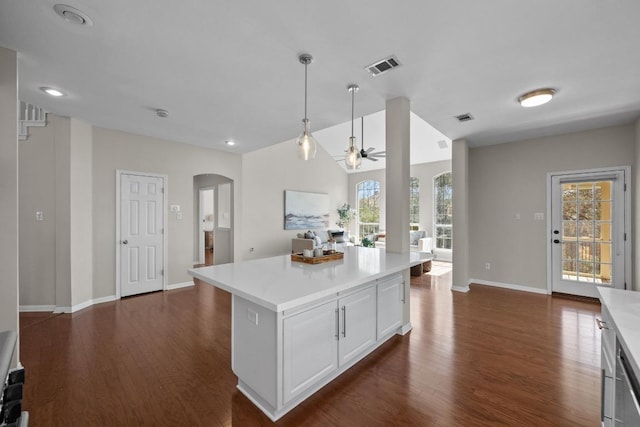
(213,222)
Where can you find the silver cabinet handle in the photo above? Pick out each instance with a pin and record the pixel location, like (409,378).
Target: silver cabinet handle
(344,321)
(124,242)
(337,324)
(601,324)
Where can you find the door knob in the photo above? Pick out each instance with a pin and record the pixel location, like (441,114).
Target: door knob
(124,242)
(556,241)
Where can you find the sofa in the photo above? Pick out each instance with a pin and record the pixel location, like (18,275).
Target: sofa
(319,238)
(418,241)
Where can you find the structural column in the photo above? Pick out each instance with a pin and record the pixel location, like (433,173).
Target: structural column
(460,173)
(9,194)
(397,183)
(635,213)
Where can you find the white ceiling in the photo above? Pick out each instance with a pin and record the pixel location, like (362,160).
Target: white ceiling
(230,70)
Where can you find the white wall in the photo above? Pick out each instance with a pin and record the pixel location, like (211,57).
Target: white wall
(267,173)
(120,150)
(506,179)
(9,192)
(38,193)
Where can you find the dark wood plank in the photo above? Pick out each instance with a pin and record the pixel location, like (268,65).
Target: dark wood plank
(488,357)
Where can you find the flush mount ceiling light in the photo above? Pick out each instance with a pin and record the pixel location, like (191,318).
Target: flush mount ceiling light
(354,158)
(230,143)
(73,15)
(306,141)
(536,97)
(51,91)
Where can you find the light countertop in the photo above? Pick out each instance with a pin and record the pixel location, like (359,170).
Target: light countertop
(278,284)
(624,309)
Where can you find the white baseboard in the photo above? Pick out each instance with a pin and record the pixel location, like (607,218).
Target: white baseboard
(36,308)
(509,286)
(404,329)
(89,303)
(180,285)
(463,289)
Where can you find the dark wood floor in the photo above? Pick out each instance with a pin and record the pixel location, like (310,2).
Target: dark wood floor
(491,357)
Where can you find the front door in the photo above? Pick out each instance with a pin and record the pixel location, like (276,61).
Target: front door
(589,226)
(141,234)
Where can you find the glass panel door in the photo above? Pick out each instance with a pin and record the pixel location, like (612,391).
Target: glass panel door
(588,232)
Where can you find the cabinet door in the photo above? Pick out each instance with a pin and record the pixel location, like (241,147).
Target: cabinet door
(390,306)
(310,348)
(357,324)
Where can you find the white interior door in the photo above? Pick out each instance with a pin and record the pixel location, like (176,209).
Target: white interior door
(589,226)
(141,234)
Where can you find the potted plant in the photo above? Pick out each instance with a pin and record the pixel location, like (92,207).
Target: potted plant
(345,215)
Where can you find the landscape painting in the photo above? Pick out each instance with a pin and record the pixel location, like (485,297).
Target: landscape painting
(305,211)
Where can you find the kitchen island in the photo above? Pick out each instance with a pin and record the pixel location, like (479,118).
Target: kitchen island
(297,326)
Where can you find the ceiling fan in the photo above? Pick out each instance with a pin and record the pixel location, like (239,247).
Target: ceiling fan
(369,153)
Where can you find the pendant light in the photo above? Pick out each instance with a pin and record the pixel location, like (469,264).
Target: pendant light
(354,158)
(306,141)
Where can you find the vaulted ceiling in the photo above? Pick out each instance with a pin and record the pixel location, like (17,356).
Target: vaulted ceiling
(229,69)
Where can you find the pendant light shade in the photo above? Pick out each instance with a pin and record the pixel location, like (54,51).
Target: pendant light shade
(354,158)
(306,142)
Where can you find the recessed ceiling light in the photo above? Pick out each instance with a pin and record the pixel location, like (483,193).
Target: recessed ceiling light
(230,142)
(536,97)
(51,91)
(73,15)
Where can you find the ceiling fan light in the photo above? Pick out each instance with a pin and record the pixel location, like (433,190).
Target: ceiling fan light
(354,158)
(536,97)
(306,142)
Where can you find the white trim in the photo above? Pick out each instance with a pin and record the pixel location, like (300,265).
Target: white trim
(627,219)
(463,289)
(180,285)
(165,180)
(405,329)
(509,286)
(85,304)
(36,308)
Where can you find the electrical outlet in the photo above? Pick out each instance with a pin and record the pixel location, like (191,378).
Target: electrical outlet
(487,266)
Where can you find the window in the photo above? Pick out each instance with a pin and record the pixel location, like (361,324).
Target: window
(368,197)
(443,210)
(414,203)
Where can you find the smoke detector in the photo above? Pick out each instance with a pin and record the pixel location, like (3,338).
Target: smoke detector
(383,66)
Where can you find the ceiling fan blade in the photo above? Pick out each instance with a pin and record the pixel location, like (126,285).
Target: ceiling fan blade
(370,149)
(373,159)
(381,155)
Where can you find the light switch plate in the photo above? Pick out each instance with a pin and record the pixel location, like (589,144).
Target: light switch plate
(252,316)
(39,216)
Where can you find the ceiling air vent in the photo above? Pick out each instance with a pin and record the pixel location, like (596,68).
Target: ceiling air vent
(464,117)
(383,66)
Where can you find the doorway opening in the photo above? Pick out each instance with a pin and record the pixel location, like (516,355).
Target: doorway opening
(213,219)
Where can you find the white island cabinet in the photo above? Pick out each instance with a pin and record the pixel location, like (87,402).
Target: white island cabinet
(297,326)
(620,355)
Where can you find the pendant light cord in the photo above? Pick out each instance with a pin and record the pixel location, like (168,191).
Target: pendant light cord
(353,95)
(305,91)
